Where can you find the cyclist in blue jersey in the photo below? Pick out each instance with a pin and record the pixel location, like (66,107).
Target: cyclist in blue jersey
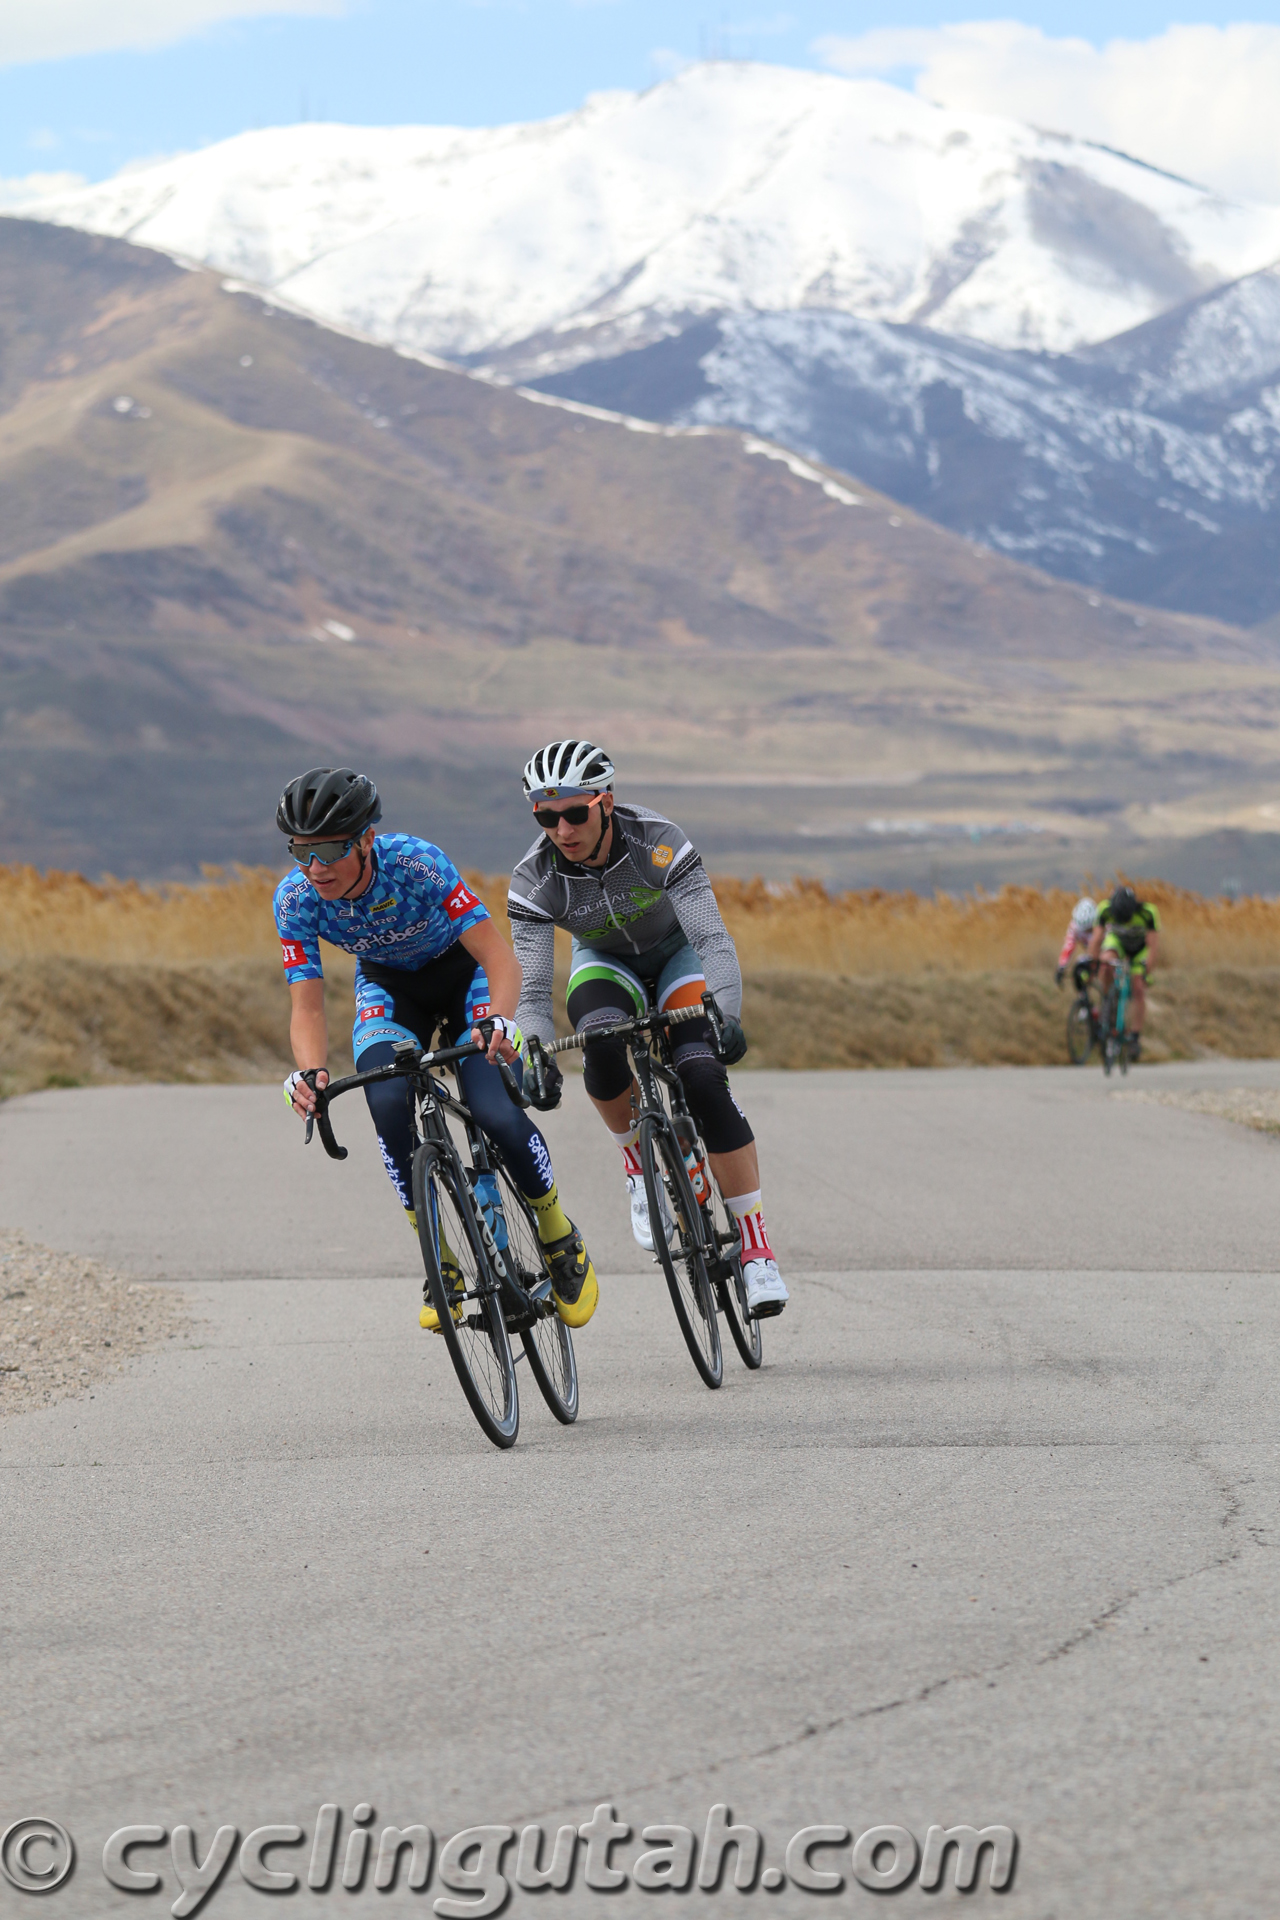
(429,956)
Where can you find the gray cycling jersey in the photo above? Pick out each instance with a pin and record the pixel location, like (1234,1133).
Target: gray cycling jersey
(654,886)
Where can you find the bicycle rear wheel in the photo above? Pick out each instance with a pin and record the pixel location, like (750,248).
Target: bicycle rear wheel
(477,1339)
(1079,1032)
(673,1220)
(731,1291)
(548,1343)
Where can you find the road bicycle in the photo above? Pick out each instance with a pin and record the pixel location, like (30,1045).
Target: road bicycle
(1084,1028)
(487,1274)
(696,1240)
(1116,1039)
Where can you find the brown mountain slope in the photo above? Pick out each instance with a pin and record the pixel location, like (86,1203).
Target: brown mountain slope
(201,497)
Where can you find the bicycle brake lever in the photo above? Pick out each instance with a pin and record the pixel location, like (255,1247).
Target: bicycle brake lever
(320,1118)
(511,1084)
(538,1061)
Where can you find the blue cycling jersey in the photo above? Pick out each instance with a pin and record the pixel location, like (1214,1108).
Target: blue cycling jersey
(414,909)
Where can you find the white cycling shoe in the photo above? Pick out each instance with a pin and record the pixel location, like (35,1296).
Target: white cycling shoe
(641,1230)
(766,1289)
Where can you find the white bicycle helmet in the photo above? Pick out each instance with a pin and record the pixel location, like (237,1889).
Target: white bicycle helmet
(1085,913)
(566,767)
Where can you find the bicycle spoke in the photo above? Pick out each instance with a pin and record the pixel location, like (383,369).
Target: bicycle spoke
(676,1245)
(477,1340)
(548,1343)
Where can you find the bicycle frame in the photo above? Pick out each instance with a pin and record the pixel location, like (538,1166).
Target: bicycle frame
(641,1035)
(1114,1035)
(431,1101)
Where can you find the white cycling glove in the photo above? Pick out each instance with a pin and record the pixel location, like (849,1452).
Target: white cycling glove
(291,1081)
(505,1025)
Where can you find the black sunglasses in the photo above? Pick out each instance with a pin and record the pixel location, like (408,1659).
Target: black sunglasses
(548,817)
(327,852)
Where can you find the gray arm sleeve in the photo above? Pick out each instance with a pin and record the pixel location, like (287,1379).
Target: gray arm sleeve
(535,945)
(699,916)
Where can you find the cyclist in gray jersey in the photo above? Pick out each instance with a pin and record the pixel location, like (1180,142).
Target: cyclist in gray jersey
(630,888)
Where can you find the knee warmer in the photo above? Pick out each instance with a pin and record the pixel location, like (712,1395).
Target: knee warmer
(606,1069)
(721,1121)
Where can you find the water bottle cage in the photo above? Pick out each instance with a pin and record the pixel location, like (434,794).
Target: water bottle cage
(485,1187)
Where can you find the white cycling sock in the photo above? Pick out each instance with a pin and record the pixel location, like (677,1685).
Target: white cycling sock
(627,1145)
(745,1208)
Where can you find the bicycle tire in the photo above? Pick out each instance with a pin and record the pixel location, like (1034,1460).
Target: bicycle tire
(1109,1030)
(666,1179)
(549,1343)
(1079,1032)
(478,1343)
(730,1287)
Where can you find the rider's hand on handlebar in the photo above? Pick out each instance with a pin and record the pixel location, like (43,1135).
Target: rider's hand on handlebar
(733,1041)
(494,1034)
(299,1094)
(548,1095)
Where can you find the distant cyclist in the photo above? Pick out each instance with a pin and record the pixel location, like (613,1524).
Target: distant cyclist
(1128,925)
(1084,917)
(429,955)
(647,934)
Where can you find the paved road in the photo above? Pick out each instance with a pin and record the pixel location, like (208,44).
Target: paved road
(991,1539)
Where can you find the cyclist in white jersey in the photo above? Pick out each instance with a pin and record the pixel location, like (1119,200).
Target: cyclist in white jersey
(630,888)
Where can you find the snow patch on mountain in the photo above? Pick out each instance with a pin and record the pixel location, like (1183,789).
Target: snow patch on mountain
(1148,467)
(731,187)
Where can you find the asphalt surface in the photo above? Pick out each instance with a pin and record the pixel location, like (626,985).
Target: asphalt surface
(991,1539)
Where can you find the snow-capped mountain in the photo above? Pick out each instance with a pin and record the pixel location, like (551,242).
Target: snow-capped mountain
(731,188)
(1148,466)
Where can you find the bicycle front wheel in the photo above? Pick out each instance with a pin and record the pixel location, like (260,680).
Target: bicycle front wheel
(1079,1032)
(674,1222)
(468,1300)
(548,1343)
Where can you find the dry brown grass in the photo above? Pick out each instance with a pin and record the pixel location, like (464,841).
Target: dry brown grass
(112,980)
(801,927)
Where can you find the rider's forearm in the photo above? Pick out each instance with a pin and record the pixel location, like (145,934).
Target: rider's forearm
(535,945)
(501,967)
(505,978)
(703,927)
(309,1037)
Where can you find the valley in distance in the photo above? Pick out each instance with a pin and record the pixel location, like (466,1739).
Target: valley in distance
(236,542)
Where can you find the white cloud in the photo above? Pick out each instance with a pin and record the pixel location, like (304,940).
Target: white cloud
(666,62)
(20,192)
(56,29)
(1198,100)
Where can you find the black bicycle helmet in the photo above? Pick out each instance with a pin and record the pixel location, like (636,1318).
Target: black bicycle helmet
(1124,904)
(329,800)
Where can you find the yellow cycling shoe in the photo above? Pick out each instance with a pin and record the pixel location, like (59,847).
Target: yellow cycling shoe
(452,1275)
(573,1279)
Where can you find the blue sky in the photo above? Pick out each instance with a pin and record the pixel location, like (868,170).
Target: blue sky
(472,62)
